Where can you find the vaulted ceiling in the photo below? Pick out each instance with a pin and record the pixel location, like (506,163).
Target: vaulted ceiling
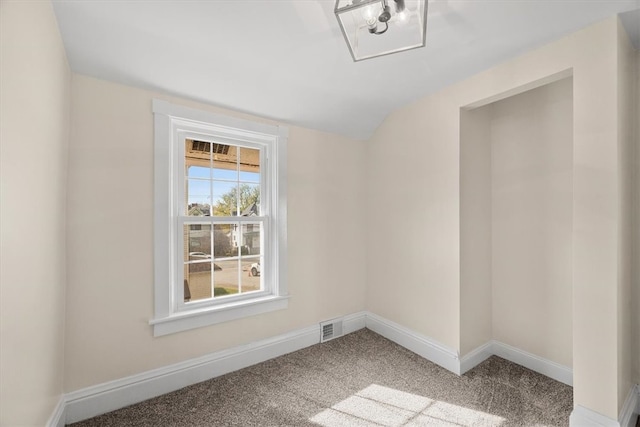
(287,60)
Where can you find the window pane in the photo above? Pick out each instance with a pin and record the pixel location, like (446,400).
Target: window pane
(250,162)
(226,279)
(197,258)
(198,172)
(225,195)
(251,257)
(251,177)
(251,274)
(225,237)
(225,162)
(197,242)
(198,194)
(251,238)
(250,181)
(197,162)
(249,199)
(224,174)
(197,281)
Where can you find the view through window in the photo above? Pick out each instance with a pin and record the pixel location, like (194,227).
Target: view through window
(223,231)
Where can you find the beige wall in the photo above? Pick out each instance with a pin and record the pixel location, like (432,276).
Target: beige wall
(515,223)
(413,268)
(411,190)
(413,161)
(629,296)
(475,229)
(34,88)
(635,263)
(626,134)
(110,239)
(531,158)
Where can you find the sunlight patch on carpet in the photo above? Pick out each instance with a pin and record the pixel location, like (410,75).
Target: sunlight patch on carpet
(383,406)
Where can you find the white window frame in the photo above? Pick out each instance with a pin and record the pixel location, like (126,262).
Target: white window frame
(173,124)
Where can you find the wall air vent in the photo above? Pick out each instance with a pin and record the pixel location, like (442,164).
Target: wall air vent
(330,330)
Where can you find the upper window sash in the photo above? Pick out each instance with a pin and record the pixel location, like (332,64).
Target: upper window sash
(180,138)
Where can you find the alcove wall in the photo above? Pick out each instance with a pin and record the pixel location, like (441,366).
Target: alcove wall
(414,162)
(516,222)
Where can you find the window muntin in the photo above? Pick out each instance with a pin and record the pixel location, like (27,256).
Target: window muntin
(223,218)
(223,185)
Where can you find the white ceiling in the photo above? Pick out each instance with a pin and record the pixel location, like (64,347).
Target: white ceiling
(287,60)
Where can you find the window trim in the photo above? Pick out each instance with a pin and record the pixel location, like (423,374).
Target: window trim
(170,122)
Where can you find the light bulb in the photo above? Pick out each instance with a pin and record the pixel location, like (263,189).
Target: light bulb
(370,16)
(368,13)
(372,24)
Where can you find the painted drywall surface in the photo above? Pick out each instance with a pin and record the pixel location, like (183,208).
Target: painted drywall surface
(110,238)
(412,206)
(635,260)
(416,154)
(531,159)
(635,226)
(475,229)
(626,128)
(35,91)
(515,222)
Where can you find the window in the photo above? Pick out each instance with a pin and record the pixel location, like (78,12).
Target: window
(220,218)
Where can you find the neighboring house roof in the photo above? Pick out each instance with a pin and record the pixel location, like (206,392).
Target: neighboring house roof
(251,210)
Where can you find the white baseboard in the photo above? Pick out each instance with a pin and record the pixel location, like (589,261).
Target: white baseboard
(419,344)
(476,357)
(631,406)
(102,398)
(536,363)
(531,361)
(58,418)
(449,359)
(354,322)
(583,417)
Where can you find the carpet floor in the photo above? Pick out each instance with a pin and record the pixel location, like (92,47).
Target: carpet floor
(361,379)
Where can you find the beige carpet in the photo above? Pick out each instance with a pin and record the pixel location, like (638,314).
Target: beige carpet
(361,379)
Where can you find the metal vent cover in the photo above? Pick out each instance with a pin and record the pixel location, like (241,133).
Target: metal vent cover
(330,329)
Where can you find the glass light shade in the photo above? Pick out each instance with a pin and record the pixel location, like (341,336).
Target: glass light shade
(368,37)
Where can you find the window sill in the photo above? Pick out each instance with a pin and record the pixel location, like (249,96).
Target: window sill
(186,320)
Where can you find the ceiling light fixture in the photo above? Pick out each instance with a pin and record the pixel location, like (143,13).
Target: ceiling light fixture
(363,23)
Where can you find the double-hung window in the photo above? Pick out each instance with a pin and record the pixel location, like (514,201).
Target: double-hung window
(220,218)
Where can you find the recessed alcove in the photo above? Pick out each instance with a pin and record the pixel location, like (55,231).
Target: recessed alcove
(516,209)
